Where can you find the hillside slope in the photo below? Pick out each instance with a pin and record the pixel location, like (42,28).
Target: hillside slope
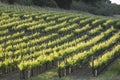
(34,40)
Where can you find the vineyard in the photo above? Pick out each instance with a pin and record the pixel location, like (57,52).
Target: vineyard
(33,41)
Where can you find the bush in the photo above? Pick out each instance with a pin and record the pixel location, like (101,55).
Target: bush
(66,4)
(8,1)
(81,6)
(99,8)
(50,3)
(24,2)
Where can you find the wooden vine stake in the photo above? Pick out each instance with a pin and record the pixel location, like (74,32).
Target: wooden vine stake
(93,70)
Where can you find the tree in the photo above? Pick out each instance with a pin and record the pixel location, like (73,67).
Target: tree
(48,3)
(93,1)
(8,1)
(11,1)
(64,3)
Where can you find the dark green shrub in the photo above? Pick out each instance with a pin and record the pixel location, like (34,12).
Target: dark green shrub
(48,3)
(66,4)
(24,2)
(8,1)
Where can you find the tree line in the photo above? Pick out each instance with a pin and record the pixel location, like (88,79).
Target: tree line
(60,3)
(97,7)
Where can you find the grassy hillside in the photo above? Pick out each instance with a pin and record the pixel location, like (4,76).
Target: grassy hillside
(36,41)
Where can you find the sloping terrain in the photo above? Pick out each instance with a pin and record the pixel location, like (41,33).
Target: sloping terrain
(33,41)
